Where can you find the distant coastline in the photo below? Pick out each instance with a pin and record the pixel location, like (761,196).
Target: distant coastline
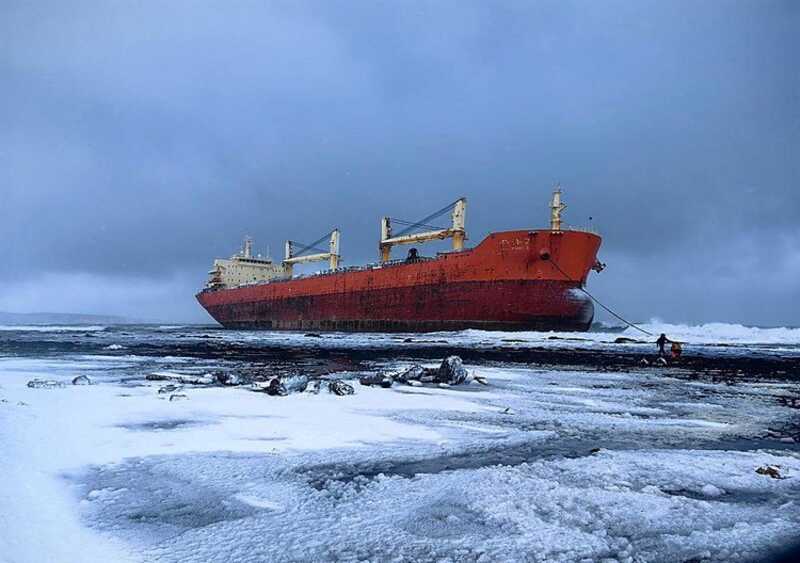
(62,318)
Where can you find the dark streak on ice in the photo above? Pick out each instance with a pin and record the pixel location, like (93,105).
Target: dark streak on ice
(162,425)
(321,476)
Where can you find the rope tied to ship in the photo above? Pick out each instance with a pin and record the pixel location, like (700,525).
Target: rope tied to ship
(596,300)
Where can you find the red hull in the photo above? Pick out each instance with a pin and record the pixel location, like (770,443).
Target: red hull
(508,282)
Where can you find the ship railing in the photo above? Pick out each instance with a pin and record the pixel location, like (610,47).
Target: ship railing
(362,268)
(347,269)
(581,229)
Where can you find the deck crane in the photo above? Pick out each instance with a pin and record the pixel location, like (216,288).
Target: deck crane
(456,231)
(295,252)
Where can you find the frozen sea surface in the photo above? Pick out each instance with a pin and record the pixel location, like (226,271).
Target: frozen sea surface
(546,463)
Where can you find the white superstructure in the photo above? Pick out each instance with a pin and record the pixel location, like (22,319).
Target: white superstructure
(243,269)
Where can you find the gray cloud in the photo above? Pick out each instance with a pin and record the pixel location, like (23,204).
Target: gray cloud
(140,140)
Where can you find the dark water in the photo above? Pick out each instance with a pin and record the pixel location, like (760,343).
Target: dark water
(253,354)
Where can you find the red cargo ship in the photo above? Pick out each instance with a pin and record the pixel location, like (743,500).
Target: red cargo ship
(513,280)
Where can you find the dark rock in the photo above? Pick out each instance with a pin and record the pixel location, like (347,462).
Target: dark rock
(169,388)
(412,373)
(340,388)
(313,386)
(156,377)
(177,397)
(228,378)
(313,335)
(376,379)
(81,380)
(626,340)
(770,471)
(276,388)
(452,371)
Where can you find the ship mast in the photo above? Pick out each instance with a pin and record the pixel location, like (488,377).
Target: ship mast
(556,207)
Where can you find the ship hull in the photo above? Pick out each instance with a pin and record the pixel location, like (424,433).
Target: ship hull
(519,280)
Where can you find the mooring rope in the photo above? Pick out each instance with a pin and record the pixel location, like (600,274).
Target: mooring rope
(596,300)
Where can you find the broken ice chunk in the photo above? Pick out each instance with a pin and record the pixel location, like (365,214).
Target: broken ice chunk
(180,378)
(45,384)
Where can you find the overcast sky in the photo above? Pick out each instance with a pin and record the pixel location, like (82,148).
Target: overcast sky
(140,140)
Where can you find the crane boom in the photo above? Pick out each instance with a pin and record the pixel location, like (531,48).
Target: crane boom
(333,256)
(457,231)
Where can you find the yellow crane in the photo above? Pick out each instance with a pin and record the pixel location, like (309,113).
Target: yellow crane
(456,231)
(294,252)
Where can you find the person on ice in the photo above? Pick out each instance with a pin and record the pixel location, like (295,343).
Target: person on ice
(662,342)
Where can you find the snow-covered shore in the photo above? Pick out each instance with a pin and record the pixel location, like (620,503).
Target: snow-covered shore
(540,465)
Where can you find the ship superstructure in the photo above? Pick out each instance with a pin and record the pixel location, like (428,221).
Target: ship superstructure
(512,280)
(243,268)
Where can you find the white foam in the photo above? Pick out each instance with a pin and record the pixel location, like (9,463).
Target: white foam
(720,333)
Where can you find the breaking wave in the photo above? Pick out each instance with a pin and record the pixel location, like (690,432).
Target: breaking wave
(719,333)
(708,334)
